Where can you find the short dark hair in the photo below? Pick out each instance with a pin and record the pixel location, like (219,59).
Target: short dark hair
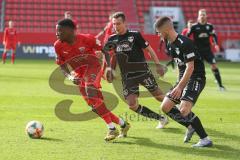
(161,21)
(119,14)
(66,23)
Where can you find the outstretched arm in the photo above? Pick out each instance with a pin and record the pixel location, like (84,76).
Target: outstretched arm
(161,70)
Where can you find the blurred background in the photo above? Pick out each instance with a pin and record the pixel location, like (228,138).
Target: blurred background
(35,21)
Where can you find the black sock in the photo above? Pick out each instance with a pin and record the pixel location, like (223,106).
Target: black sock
(175,114)
(217,77)
(146,112)
(191,118)
(197,125)
(123,126)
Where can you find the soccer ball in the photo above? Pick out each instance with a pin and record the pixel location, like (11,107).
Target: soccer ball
(34,129)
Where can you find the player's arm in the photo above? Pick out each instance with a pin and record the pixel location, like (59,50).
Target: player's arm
(102,32)
(109,46)
(69,74)
(161,70)
(215,40)
(189,56)
(64,68)
(145,45)
(177,91)
(4,37)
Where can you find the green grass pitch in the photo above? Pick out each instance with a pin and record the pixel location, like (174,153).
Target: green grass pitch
(25,95)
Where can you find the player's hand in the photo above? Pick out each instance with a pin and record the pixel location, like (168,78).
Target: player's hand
(109,46)
(19,43)
(217,49)
(176,92)
(161,70)
(72,77)
(109,74)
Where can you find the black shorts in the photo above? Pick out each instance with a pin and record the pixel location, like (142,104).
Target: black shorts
(131,85)
(208,56)
(191,92)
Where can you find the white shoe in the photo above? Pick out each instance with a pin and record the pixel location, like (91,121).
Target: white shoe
(189,133)
(205,142)
(162,123)
(222,89)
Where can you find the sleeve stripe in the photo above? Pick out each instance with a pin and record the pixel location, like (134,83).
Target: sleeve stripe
(190,55)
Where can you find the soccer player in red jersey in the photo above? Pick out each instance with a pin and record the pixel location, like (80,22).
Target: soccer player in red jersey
(186,30)
(9,41)
(74,49)
(108,31)
(68,15)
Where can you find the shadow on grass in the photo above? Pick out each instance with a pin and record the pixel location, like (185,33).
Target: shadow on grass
(173,130)
(51,139)
(218,151)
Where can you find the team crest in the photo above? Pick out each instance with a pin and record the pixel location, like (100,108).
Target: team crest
(82,49)
(130,39)
(177,51)
(207,27)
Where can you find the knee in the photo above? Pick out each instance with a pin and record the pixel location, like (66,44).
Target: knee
(214,66)
(184,112)
(133,105)
(165,108)
(160,98)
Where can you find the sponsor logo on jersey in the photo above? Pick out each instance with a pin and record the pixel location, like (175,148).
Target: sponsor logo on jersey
(203,35)
(130,39)
(124,46)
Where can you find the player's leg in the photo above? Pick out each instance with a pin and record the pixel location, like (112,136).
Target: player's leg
(13,55)
(209,57)
(4,55)
(131,93)
(168,106)
(100,108)
(95,99)
(151,85)
(217,76)
(132,100)
(185,109)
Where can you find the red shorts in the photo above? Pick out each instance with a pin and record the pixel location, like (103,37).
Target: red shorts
(10,45)
(90,76)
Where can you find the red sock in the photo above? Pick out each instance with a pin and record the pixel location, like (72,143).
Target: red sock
(4,56)
(107,118)
(114,118)
(13,58)
(103,112)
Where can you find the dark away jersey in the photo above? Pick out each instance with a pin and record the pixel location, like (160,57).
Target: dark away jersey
(129,53)
(201,35)
(183,51)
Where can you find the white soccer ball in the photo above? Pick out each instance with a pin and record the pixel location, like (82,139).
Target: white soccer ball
(34,129)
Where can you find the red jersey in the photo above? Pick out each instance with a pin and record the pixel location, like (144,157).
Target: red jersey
(10,35)
(81,57)
(84,44)
(185,31)
(84,47)
(108,32)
